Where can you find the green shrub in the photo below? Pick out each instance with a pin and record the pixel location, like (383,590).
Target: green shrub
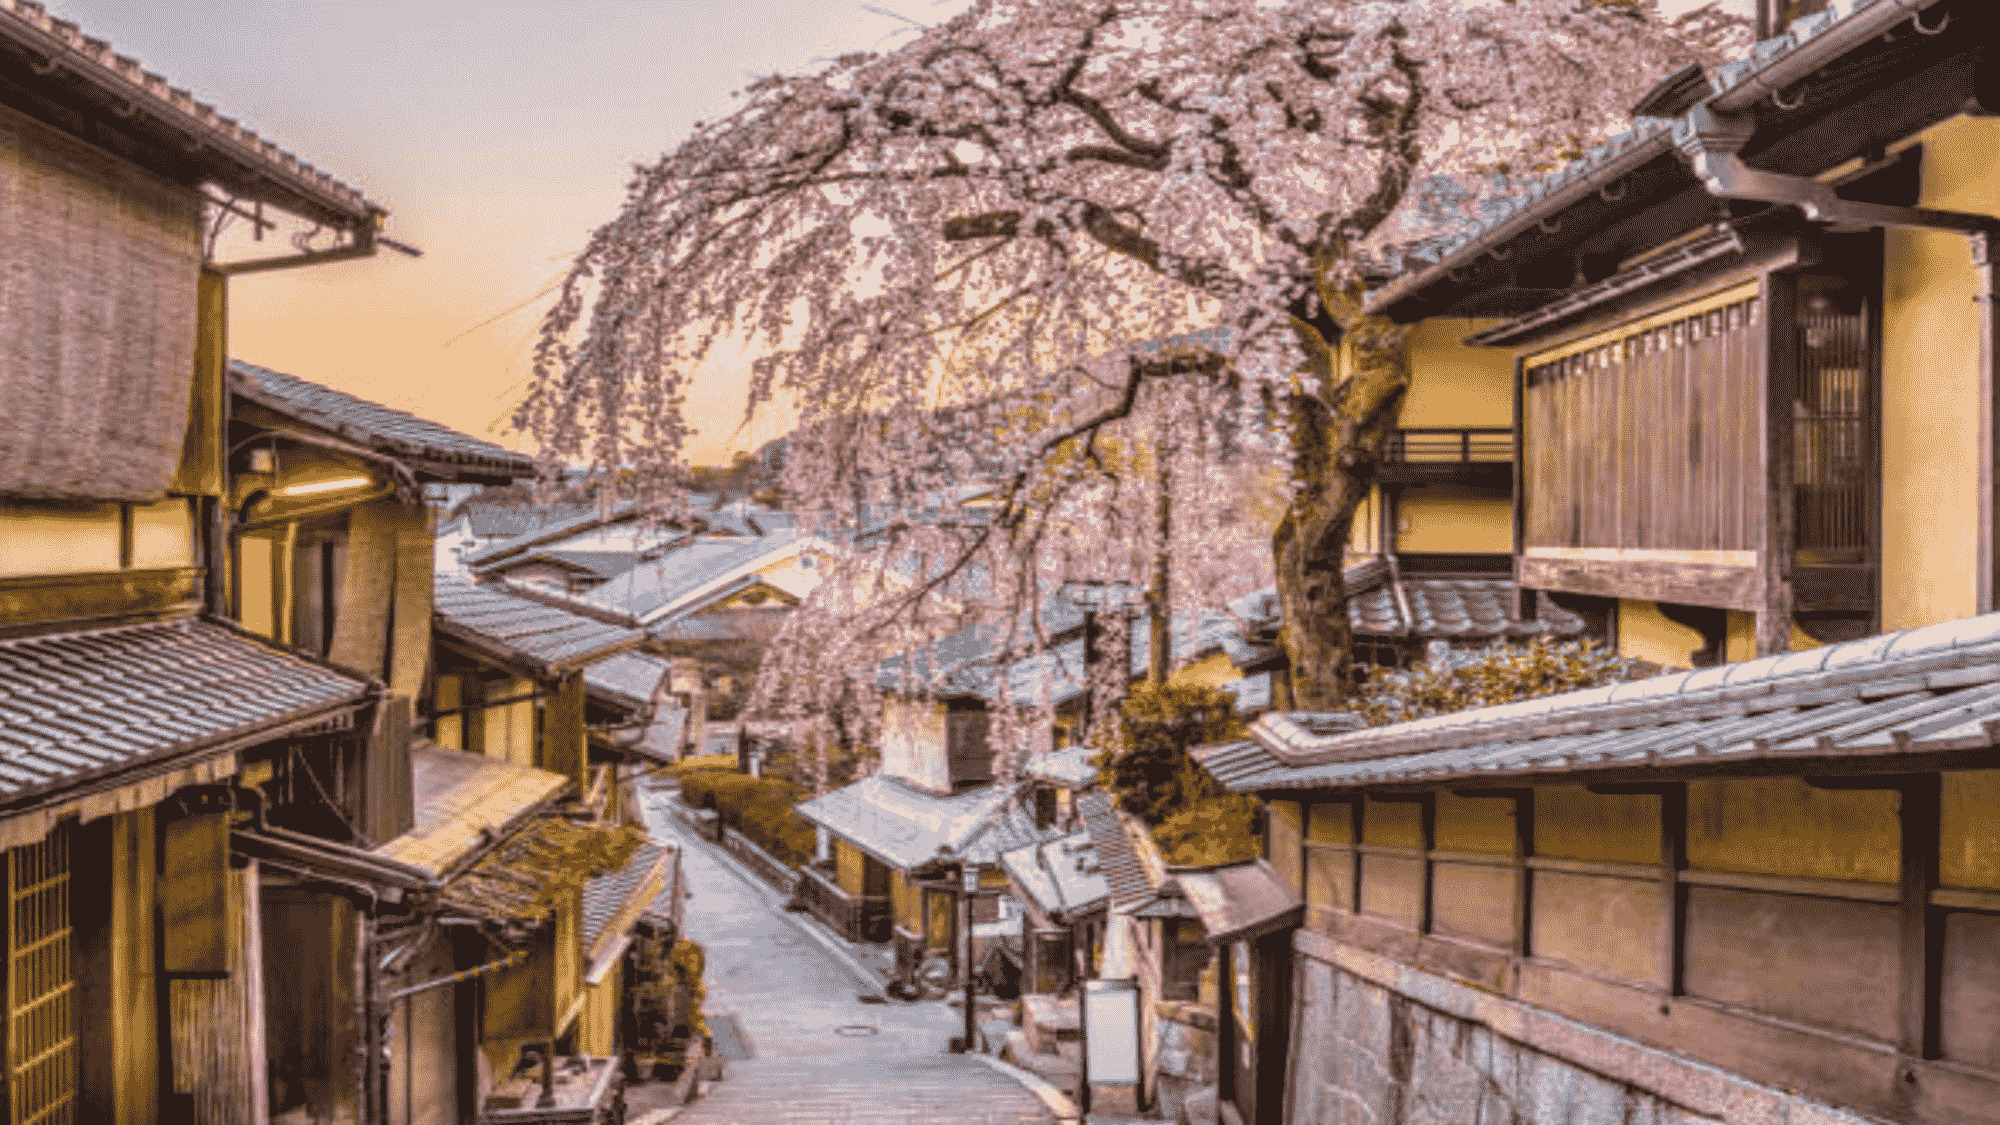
(760,808)
(700,762)
(1212,830)
(1503,673)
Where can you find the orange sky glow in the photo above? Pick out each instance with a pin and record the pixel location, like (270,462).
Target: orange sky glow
(499,133)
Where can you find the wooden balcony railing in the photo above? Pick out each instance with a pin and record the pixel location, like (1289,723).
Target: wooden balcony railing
(1463,455)
(1465,446)
(854,917)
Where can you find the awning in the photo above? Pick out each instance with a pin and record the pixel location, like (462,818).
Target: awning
(464,801)
(615,903)
(358,869)
(1234,902)
(106,720)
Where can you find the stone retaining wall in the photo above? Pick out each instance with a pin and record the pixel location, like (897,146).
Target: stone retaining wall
(1382,1043)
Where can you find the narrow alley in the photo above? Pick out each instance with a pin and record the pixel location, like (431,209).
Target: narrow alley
(817,1054)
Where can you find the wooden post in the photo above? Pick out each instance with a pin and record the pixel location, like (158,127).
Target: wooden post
(1920,968)
(565,741)
(1524,606)
(1774,616)
(1986,572)
(1922,964)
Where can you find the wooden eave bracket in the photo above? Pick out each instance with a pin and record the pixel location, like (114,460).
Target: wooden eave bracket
(1710,142)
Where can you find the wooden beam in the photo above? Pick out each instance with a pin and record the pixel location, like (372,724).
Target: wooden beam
(1681,583)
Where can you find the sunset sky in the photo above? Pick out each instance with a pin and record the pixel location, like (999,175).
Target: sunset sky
(498,133)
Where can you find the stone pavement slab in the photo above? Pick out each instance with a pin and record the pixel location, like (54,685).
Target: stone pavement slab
(818,1055)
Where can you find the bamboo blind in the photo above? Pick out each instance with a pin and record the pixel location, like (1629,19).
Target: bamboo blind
(99,263)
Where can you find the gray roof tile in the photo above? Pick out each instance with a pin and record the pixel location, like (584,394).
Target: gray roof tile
(659,586)
(373,425)
(1124,872)
(1921,690)
(905,827)
(78,705)
(512,627)
(603,897)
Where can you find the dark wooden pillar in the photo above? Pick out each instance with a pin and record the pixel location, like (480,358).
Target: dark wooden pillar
(1987,572)
(1774,615)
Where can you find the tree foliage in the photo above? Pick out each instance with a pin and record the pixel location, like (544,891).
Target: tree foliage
(1151,770)
(1006,251)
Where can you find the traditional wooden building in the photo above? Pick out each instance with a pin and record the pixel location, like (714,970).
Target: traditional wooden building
(134,711)
(1752,890)
(546,689)
(1789,261)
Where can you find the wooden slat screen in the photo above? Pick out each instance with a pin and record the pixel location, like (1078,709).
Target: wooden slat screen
(41,1018)
(1648,437)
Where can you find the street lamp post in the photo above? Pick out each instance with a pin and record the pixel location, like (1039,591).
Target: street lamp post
(969,883)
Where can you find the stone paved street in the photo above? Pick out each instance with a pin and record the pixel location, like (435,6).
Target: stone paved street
(819,1056)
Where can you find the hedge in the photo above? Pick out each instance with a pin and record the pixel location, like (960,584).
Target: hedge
(760,808)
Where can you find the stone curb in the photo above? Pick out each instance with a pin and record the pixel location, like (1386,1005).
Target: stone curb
(1059,1104)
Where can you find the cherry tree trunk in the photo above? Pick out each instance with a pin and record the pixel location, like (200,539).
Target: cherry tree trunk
(1338,437)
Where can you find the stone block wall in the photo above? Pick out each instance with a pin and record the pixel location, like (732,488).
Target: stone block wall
(1368,1053)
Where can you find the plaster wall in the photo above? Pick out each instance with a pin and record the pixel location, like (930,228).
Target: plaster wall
(1452,384)
(913,743)
(1447,518)
(57,538)
(1930,381)
(1646,634)
(1213,670)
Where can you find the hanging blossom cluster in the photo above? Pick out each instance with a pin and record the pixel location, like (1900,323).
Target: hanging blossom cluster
(1009,269)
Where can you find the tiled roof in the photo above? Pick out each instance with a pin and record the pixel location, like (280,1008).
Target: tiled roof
(659,586)
(1124,873)
(1456,609)
(614,902)
(393,432)
(661,741)
(460,799)
(79,706)
(1060,877)
(514,627)
(1808,43)
(245,158)
(905,827)
(626,680)
(1934,689)
(506,521)
(586,518)
(1231,900)
(1069,767)
(604,564)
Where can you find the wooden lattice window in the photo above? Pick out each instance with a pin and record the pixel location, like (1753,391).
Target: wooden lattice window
(41,1013)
